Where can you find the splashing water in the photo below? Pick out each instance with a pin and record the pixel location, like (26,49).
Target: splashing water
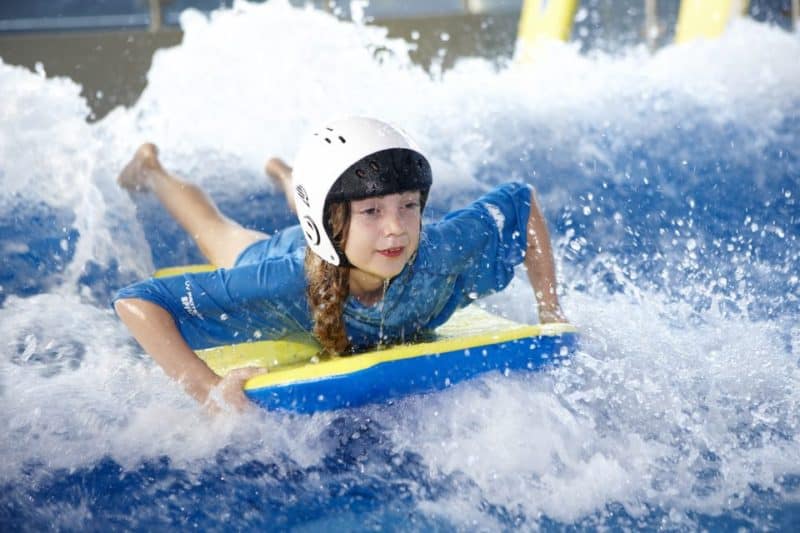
(670,182)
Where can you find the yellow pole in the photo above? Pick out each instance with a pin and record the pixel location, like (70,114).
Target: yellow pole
(706,18)
(543,20)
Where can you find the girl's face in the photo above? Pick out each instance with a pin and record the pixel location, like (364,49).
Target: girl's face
(383,234)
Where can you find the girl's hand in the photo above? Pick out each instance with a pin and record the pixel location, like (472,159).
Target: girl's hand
(229,392)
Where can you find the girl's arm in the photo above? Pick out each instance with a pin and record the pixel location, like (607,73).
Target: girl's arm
(541,266)
(156,332)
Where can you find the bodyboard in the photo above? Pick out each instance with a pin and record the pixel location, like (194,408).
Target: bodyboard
(472,342)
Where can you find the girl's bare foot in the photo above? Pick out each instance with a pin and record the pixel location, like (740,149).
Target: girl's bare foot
(139,173)
(281,174)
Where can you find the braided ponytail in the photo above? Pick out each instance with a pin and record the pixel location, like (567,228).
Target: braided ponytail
(329,285)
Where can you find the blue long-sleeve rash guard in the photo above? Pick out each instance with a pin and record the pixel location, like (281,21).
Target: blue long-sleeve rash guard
(470,253)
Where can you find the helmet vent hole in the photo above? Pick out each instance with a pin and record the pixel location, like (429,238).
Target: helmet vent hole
(342,139)
(374,166)
(327,140)
(360,173)
(329,129)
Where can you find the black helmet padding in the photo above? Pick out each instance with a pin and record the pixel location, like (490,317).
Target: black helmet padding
(386,172)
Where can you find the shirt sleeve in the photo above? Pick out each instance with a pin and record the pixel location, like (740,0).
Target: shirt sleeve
(482,243)
(229,306)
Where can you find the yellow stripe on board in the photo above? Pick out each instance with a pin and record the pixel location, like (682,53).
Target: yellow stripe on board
(271,354)
(706,18)
(337,366)
(289,359)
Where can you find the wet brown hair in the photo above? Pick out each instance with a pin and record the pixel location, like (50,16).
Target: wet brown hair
(329,285)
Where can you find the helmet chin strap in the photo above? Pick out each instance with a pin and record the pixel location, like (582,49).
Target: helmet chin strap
(343,261)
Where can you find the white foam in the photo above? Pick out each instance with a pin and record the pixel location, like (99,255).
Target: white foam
(76,389)
(633,419)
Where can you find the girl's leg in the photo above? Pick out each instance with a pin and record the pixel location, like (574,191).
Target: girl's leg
(281,174)
(219,238)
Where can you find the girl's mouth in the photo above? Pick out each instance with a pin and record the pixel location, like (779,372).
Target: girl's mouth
(391,252)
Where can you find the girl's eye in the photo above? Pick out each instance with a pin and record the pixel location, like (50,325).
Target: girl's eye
(412,205)
(369,211)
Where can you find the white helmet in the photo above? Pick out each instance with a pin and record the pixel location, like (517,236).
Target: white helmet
(352,159)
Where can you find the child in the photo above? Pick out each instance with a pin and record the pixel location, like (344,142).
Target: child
(359,270)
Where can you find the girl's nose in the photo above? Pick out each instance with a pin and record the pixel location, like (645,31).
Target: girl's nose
(394,222)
